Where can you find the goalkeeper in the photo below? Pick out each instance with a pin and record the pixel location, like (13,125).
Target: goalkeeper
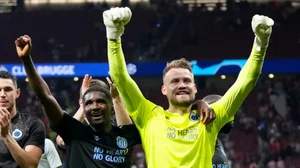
(175,137)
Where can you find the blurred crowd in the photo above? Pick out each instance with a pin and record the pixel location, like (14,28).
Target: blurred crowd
(163,31)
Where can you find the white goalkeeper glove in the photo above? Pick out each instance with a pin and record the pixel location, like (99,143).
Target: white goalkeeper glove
(262,28)
(115,19)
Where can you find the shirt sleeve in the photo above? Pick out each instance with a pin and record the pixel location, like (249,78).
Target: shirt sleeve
(68,128)
(37,134)
(229,104)
(132,132)
(136,104)
(52,155)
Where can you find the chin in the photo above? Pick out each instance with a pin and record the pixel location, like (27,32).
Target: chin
(183,103)
(98,122)
(8,108)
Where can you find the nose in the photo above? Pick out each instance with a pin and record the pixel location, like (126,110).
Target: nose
(95,106)
(2,93)
(181,85)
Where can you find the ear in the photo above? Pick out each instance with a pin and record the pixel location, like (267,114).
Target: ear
(18,92)
(164,90)
(195,88)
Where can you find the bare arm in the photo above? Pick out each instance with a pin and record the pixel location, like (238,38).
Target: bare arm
(25,158)
(29,156)
(60,142)
(121,113)
(79,115)
(119,107)
(52,109)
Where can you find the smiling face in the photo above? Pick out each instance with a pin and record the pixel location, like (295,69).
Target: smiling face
(97,107)
(179,87)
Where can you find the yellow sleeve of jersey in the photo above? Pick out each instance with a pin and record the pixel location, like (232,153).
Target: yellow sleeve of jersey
(136,104)
(229,104)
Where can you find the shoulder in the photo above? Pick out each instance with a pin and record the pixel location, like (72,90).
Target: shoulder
(29,119)
(124,128)
(127,136)
(127,131)
(32,123)
(26,117)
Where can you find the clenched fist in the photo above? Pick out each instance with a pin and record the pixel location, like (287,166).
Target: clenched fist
(115,19)
(23,46)
(262,28)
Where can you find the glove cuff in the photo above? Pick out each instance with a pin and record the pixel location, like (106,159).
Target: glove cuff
(114,33)
(260,43)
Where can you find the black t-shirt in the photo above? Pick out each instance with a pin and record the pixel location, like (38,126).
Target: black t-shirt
(86,148)
(220,159)
(27,130)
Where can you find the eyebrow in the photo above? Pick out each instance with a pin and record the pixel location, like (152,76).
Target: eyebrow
(6,87)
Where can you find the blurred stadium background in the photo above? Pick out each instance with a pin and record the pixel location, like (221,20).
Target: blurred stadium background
(69,36)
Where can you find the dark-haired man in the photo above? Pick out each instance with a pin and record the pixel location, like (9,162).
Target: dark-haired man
(98,144)
(22,137)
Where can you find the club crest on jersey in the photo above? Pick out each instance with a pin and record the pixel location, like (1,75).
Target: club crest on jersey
(17,134)
(122,142)
(193,117)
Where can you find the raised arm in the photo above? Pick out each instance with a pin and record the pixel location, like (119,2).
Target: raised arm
(115,19)
(119,107)
(129,91)
(79,115)
(248,76)
(52,109)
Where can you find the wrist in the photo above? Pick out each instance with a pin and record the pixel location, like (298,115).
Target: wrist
(114,33)
(116,98)
(261,43)
(25,58)
(7,137)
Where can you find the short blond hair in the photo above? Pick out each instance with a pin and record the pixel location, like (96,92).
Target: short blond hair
(179,63)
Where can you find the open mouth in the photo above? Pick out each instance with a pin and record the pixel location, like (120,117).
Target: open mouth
(97,116)
(182,93)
